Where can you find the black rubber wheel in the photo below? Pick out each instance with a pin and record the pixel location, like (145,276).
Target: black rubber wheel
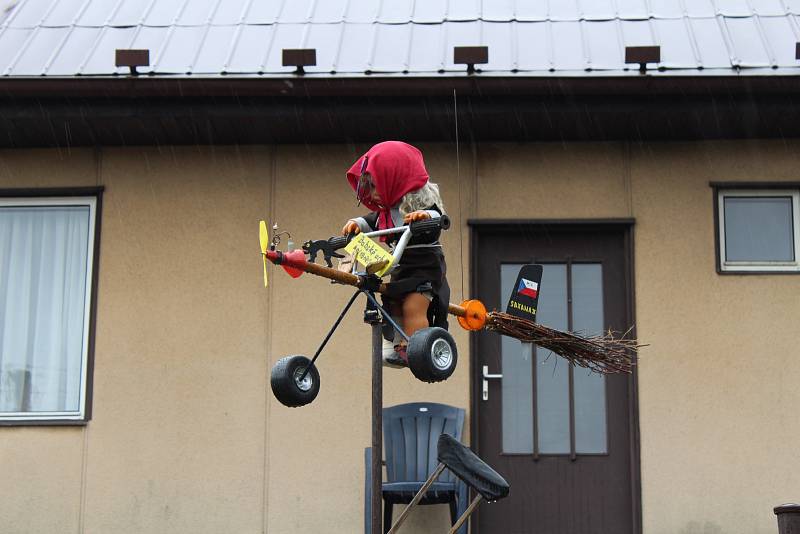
(432,354)
(286,385)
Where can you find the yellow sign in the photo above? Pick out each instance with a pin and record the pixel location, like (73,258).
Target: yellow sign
(367,251)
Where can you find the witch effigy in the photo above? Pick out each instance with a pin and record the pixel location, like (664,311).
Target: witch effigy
(407,218)
(391,180)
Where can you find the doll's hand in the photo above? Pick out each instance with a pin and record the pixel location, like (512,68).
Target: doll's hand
(418,215)
(350,228)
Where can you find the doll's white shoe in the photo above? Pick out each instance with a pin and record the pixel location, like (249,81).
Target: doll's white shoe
(394,355)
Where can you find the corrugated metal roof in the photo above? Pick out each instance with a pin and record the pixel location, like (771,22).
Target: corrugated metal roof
(398,37)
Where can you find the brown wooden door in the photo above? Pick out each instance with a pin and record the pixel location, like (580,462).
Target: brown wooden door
(564,438)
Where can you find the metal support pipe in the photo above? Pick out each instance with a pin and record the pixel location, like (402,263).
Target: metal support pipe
(386,316)
(330,333)
(376,470)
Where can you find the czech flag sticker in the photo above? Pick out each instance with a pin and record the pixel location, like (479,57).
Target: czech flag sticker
(529,288)
(525,293)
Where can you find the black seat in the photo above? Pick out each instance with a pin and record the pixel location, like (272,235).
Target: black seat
(471,469)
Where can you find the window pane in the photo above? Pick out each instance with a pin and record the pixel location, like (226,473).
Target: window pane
(589,388)
(517,366)
(758,229)
(552,372)
(43,271)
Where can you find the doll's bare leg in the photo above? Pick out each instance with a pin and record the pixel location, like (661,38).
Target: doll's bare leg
(415,313)
(412,314)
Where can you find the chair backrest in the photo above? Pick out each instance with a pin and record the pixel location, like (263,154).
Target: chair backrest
(410,434)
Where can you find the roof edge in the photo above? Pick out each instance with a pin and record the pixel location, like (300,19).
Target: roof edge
(300,86)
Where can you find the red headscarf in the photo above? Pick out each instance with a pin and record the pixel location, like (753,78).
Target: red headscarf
(396,169)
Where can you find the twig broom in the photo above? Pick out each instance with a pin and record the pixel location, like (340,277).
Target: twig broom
(604,354)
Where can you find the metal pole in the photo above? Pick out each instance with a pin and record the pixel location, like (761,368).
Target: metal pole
(377,427)
(374,315)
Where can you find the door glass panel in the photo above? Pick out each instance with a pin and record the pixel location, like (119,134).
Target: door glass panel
(517,382)
(551,375)
(589,388)
(552,372)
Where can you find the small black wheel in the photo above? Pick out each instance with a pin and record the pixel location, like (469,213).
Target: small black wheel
(432,354)
(286,384)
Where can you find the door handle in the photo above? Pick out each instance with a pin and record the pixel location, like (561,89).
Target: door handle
(486,377)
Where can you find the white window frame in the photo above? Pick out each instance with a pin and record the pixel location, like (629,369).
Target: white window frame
(759,266)
(79,415)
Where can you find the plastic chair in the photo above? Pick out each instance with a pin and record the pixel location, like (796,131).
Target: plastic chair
(410,435)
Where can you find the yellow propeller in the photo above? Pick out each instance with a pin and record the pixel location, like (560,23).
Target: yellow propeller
(263,236)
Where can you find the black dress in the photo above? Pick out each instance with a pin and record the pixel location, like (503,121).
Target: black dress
(422,269)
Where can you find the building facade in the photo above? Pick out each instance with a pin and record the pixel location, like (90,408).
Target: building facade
(666,201)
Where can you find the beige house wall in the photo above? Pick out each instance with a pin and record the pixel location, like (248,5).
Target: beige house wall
(186,436)
(717,385)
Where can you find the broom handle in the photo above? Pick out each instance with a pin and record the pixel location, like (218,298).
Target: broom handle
(331,274)
(455,309)
(353,280)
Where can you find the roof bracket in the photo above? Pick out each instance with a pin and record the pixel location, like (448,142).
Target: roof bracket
(471,56)
(642,55)
(132,58)
(299,57)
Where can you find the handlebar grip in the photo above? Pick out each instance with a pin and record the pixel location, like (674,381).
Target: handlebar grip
(339,242)
(429,225)
(418,227)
